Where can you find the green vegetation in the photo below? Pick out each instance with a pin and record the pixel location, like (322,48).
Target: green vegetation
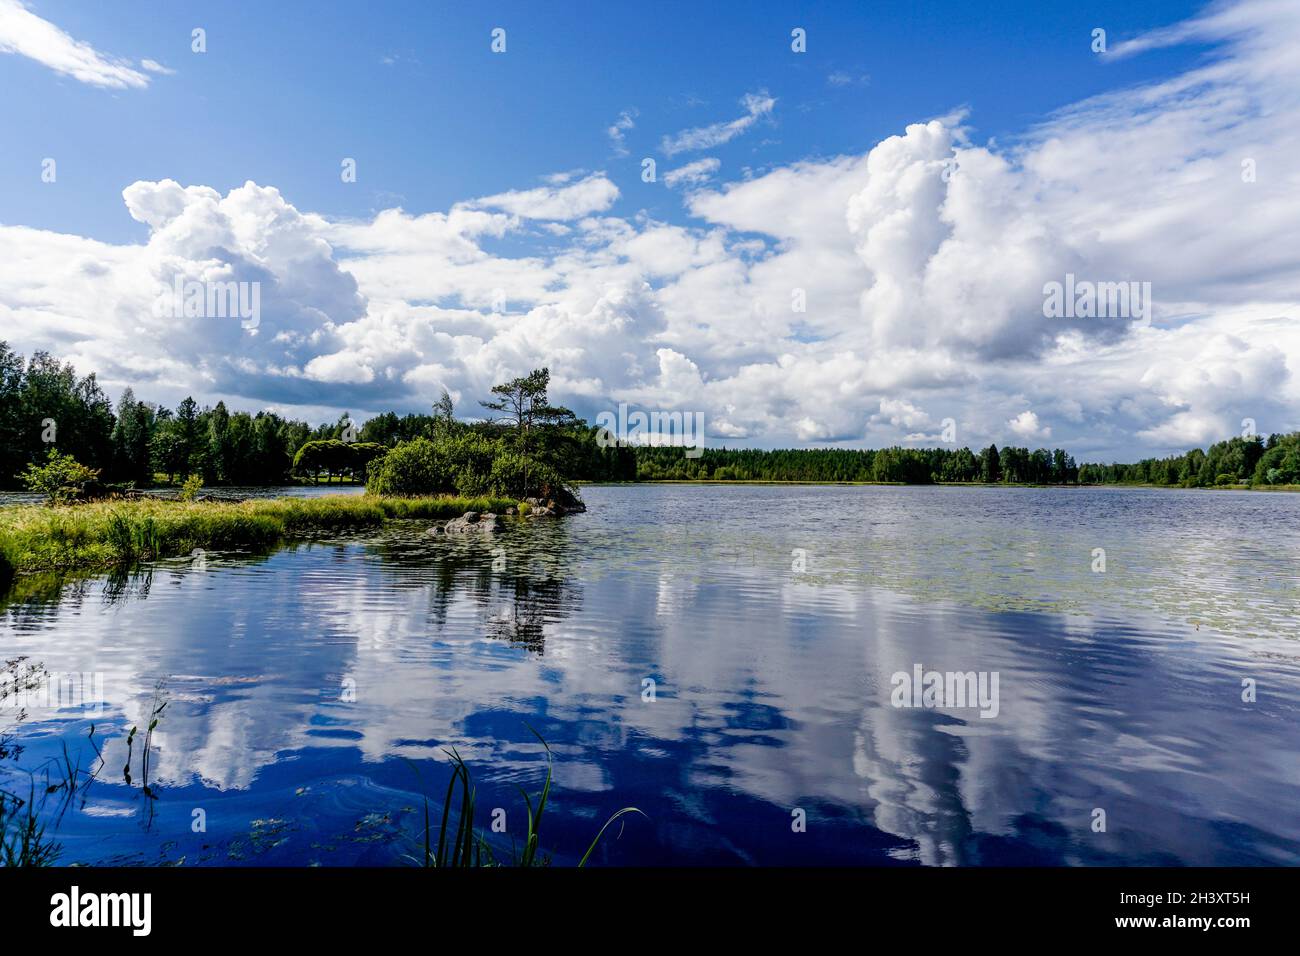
(60,479)
(1256,462)
(524,446)
(467,464)
(103,534)
(335,457)
(44,403)
(23,841)
(191,487)
(519,454)
(912,466)
(1260,463)
(468,848)
(453,468)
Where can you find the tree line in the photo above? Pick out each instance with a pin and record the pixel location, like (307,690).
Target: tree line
(1252,460)
(1256,461)
(913,466)
(44,404)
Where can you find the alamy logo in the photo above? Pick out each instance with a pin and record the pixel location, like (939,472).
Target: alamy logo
(674,429)
(73,909)
(1082,299)
(951,690)
(56,690)
(191,299)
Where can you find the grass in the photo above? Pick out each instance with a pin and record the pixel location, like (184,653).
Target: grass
(35,538)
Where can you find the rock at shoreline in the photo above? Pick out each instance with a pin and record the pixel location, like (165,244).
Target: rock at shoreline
(470,521)
(549,507)
(491,523)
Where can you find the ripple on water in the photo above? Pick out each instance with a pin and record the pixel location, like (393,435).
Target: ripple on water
(717,657)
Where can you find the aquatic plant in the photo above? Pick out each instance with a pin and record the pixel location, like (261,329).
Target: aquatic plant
(469,849)
(22,835)
(159,702)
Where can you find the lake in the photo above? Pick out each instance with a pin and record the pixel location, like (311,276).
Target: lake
(728,659)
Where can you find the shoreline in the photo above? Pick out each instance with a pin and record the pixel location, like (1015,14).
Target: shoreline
(101,535)
(214,492)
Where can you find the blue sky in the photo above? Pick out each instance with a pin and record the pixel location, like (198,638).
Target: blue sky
(917,176)
(412,91)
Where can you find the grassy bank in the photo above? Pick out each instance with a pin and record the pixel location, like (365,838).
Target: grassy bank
(40,538)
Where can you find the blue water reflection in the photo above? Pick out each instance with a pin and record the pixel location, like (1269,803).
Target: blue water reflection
(310,692)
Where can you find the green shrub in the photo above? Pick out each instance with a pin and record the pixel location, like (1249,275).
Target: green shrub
(416,467)
(518,476)
(472,484)
(60,479)
(470,454)
(191,487)
(363,453)
(468,464)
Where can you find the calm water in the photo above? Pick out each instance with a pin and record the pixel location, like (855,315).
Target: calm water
(1120,691)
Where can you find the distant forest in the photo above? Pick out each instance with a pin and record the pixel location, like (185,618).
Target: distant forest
(44,404)
(1256,461)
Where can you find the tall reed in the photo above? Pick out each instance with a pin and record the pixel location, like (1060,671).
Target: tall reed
(469,849)
(23,841)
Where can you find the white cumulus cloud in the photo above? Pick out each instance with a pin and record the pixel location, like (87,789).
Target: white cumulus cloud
(859,299)
(1027,427)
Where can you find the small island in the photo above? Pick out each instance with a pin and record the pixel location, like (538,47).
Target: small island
(465,476)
